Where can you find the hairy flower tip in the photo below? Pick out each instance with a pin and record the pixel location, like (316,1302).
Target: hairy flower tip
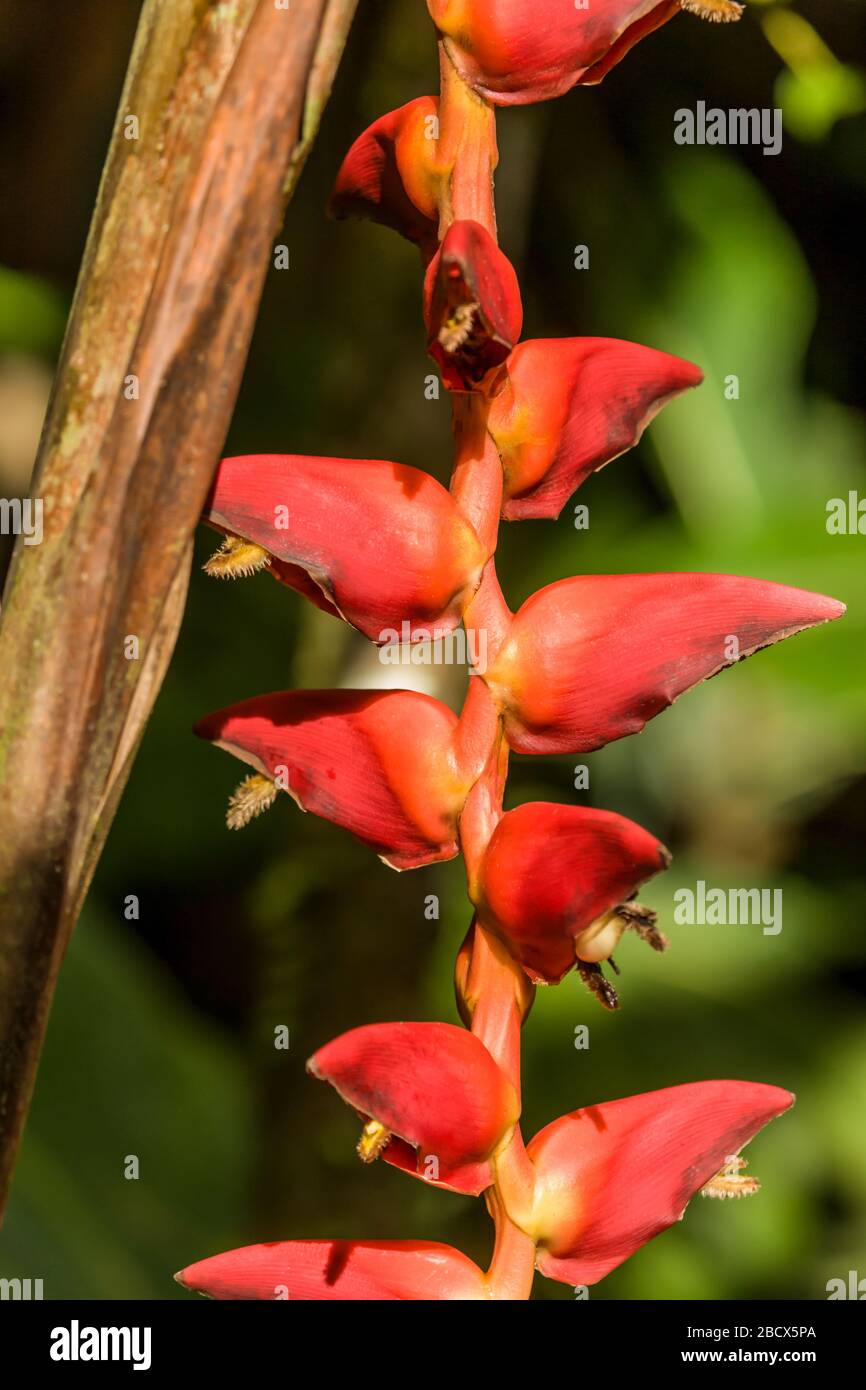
(253,796)
(592,659)
(731,1181)
(472,306)
(236,559)
(644,923)
(434,1089)
(380,544)
(513,52)
(390,174)
(716,11)
(571,405)
(610,1177)
(378,763)
(337,1271)
(552,881)
(374,1139)
(598,985)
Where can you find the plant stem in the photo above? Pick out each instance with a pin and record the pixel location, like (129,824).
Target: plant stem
(476,482)
(167,296)
(512,1268)
(495,985)
(494,988)
(466,150)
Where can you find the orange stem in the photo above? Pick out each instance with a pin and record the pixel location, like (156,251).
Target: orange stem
(494,991)
(466,150)
(512,1268)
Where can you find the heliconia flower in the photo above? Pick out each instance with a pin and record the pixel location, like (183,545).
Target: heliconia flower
(384,544)
(513,52)
(591,659)
(338,1270)
(472,306)
(379,763)
(552,878)
(612,1176)
(390,175)
(569,406)
(434,1101)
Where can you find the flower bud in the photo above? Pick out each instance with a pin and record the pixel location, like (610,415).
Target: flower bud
(390,175)
(472,306)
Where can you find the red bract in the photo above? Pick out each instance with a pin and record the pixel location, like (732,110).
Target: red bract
(551,872)
(513,52)
(383,543)
(612,1176)
(389,174)
(472,306)
(569,406)
(337,1270)
(432,1086)
(591,659)
(378,763)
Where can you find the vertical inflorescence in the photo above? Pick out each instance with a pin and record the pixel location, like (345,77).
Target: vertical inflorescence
(583,662)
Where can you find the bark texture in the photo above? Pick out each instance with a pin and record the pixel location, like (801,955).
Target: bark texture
(219,108)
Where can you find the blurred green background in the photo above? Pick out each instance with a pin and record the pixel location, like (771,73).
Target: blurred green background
(161,1040)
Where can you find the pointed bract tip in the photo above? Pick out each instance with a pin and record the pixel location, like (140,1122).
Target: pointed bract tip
(207,728)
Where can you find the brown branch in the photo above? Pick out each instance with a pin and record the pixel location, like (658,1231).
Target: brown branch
(227,97)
